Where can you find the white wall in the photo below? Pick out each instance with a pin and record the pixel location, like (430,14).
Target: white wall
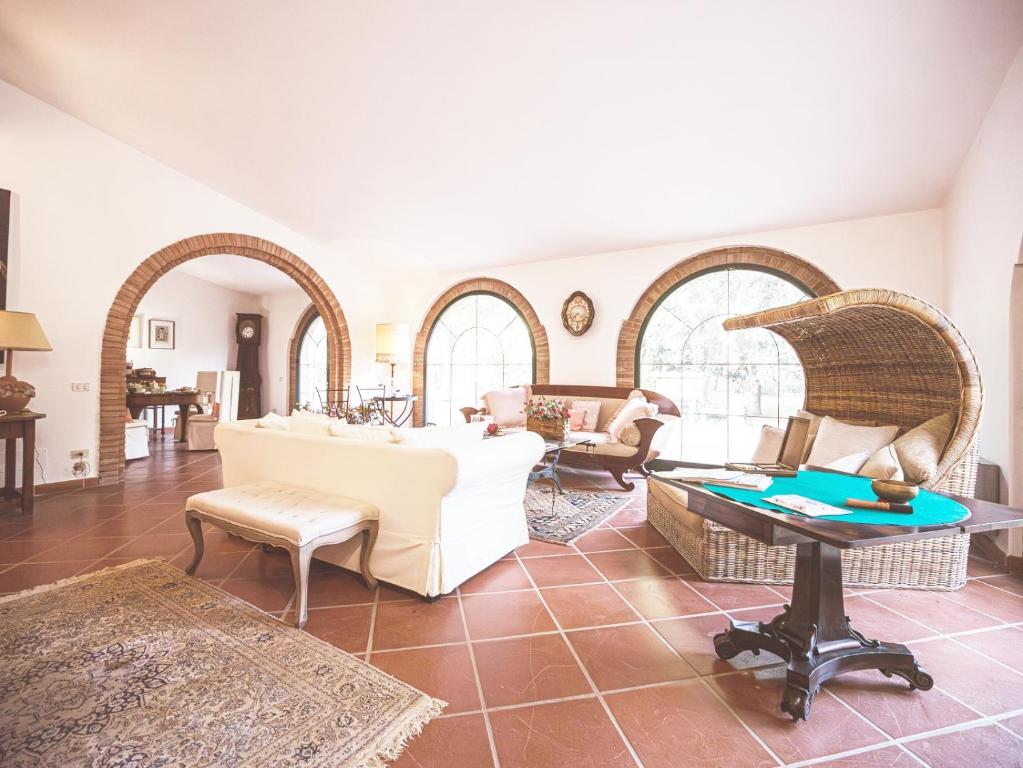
(204,327)
(983,235)
(902,252)
(88,210)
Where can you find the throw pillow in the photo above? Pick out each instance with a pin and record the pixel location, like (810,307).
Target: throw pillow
(631,436)
(633,395)
(364,432)
(310,423)
(592,410)
(850,464)
(883,465)
(274,421)
(769,446)
(577,420)
(508,406)
(837,439)
(920,449)
(634,408)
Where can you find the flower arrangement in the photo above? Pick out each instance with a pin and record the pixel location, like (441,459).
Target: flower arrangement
(547,410)
(547,417)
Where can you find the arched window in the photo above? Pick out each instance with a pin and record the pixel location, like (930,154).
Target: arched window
(480,341)
(727,384)
(311,367)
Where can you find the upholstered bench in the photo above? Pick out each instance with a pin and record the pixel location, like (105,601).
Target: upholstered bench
(296,519)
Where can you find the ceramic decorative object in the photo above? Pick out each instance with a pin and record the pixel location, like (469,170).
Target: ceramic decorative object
(898,491)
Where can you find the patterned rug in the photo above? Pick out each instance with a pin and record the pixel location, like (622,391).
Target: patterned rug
(140,665)
(566,518)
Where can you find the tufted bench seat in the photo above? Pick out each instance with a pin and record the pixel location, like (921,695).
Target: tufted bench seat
(296,519)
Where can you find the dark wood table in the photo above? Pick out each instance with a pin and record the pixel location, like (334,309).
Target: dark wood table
(552,454)
(813,634)
(137,402)
(15,426)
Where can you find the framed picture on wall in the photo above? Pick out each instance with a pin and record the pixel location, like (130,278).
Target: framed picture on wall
(135,333)
(161,334)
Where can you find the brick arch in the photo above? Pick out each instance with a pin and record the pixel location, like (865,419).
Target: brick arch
(304,319)
(115,333)
(541,349)
(815,280)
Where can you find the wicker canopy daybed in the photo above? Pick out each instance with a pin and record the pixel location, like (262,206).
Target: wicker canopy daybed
(867,355)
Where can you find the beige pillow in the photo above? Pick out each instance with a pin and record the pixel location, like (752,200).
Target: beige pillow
(630,436)
(815,425)
(592,413)
(769,446)
(508,406)
(633,395)
(837,439)
(274,421)
(850,464)
(883,465)
(636,408)
(920,449)
(310,423)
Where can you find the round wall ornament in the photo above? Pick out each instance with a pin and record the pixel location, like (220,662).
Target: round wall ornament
(577,313)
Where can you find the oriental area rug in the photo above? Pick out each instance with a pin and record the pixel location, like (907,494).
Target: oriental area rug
(140,665)
(564,518)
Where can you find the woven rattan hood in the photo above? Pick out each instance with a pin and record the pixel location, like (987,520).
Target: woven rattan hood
(883,356)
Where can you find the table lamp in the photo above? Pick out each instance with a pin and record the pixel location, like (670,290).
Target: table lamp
(19,331)
(392,345)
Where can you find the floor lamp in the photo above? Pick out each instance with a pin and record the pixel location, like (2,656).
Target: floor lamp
(392,345)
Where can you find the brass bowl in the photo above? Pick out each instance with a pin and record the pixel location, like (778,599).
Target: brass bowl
(898,491)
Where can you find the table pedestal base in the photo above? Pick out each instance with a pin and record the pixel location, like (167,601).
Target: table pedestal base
(815,636)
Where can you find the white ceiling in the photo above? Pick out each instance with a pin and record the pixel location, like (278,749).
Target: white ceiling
(477,133)
(239,274)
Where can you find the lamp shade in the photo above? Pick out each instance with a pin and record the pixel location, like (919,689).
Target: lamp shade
(392,343)
(21,331)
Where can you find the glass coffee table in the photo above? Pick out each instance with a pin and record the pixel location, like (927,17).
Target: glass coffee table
(552,453)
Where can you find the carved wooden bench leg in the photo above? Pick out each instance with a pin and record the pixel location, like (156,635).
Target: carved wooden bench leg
(195,528)
(300,557)
(369,539)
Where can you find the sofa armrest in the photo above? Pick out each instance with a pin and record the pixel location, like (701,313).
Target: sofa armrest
(468,412)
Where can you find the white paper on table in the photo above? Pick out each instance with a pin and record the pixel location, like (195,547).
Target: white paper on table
(805,506)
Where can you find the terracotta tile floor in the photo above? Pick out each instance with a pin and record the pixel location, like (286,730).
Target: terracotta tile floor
(595,655)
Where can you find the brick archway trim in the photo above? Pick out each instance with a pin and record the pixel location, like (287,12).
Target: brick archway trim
(293,349)
(115,333)
(814,279)
(541,349)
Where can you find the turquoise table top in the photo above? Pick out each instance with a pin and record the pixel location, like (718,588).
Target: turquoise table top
(928,508)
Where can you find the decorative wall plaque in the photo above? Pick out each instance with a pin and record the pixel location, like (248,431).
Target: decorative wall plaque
(577,313)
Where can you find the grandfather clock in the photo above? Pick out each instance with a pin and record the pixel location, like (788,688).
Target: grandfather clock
(247,330)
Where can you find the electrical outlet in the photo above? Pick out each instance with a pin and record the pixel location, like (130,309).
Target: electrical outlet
(79,386)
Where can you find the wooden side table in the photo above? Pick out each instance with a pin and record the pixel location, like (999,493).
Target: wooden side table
(12,427)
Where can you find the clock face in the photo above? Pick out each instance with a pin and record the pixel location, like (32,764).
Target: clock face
(248,331)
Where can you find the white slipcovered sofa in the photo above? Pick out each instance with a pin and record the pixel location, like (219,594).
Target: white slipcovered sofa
(446,513)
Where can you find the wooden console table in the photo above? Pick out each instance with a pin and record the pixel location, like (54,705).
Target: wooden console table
(12,427)
(813,634)
(139,401)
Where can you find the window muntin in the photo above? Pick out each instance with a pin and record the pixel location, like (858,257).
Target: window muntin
(727,385)
(479,342)
(311,367)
